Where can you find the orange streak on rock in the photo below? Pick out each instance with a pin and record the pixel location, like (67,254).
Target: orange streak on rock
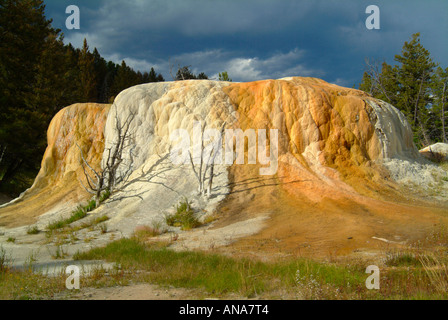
(57,182)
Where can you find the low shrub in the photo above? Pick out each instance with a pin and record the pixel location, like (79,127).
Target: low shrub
(184,217)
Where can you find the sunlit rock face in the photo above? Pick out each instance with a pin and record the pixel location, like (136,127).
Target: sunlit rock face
(57,183)
(79,127)
(323,123)
(328,136)
(318,123)
(437,151)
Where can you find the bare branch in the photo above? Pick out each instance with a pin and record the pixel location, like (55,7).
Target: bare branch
(85,161)
(375,75)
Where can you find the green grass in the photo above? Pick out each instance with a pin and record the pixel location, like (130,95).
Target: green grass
(216,273)
(184,217)
(31,285)
(104,196)
(299,277)
(32,230)
(145,232)
(103,228)
(402,259)
(90,206)
(98,220)
(223,276)
(27,285)
(61,234)
(56,225)
(4,261)
(79,213)
(59,253)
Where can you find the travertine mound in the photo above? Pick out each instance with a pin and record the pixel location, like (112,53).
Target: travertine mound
(331,143)
(437,151)
(320,125)
(327,134)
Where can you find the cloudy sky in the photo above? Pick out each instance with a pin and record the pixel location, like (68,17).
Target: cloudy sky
(255,39)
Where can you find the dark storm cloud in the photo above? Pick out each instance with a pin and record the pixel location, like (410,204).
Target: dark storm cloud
(255,39)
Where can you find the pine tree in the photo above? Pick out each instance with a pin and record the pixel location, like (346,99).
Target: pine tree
(39,75)
(87,76)
(414,79)
(23,32)
(152,76)
(102,77)
(410,87)
(224,76)
(185,73)
(439,128)
(367,84)
(126,77)
(380,83)
(53,86)
(202,75)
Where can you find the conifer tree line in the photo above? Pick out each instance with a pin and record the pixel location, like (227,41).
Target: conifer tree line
(417,86)
(40,75)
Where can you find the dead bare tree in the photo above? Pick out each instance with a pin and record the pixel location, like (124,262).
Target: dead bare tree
(111,175)
(206,162)
(416,110)
(373,70)
(174,77)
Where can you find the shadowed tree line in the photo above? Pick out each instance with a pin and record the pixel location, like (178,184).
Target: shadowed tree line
(39,75)
(417,86)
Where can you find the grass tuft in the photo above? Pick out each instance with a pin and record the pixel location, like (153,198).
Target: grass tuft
(79,213)
(402,259)
(145,232)
(184,217)
(32,230)
(104,196)
(4,261)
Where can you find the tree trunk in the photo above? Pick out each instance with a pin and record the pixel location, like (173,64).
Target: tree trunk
(424,133)
(443,114)
(417,101)
(210,182)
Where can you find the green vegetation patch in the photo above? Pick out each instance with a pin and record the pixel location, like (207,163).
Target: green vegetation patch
(216,273)
(185,217)
(78,214)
